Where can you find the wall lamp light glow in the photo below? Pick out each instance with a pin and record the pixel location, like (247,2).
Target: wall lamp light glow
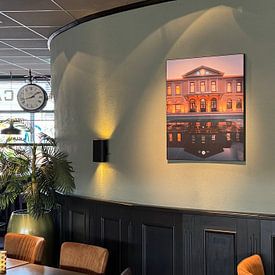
(100,150)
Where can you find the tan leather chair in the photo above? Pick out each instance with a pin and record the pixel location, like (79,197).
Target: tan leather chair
(251,266)
(83,258)
(24,247)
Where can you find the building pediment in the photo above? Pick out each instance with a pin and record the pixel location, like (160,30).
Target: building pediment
(203,71)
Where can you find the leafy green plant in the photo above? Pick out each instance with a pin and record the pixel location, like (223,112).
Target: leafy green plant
(35,171)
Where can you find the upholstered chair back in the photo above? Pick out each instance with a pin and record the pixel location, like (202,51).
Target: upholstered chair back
(24,247)
(251,266)
(83,258)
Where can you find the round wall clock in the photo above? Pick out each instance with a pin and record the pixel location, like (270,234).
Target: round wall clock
(32,98)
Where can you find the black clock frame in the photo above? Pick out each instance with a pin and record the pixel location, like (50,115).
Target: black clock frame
(40,107)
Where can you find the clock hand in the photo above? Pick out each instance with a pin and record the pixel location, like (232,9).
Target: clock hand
(32,96)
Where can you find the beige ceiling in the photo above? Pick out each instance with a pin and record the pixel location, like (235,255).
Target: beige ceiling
(25,26)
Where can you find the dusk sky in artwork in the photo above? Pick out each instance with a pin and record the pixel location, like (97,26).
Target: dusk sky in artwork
(228,64)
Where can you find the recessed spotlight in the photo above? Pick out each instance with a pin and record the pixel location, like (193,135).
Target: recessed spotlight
(1,22)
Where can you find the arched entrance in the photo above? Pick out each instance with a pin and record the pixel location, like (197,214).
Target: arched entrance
(203,105)
(192,105)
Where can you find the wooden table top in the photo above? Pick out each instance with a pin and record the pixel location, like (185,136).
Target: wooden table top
(12,263)
(18,267)
(34,269)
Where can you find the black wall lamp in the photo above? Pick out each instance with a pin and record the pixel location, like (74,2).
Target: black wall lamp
(100,150)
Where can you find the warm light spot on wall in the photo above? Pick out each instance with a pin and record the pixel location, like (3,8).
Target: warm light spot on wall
(104,111)
(106,117)
(104,126)
(103,179)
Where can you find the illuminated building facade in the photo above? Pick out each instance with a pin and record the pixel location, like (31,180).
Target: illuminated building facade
(205,90)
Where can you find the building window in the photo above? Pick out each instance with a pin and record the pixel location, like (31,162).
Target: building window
(239,87)
(179,137)
(213,105)
(42,121)
(169,108)
(177,89)
(170,137)
(178,108)
(202,86)
(192,87)
(169,90)
(229,104)
(213,86)
(229,87)
(192,105)
(173,108)
(203,105)
(239,104)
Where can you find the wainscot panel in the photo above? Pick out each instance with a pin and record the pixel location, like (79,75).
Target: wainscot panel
(164,241)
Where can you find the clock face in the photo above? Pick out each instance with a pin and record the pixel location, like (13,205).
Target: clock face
(32,98)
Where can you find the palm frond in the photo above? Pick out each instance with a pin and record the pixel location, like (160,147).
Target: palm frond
(45,139)
(38,172)
(9,195)
(63,179)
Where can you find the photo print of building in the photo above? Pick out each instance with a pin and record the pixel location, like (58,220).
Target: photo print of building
(205,100)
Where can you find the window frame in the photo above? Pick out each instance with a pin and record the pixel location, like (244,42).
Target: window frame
(215,85)
(229,104)
(239,88)
(177,91)
(15,111)
(192,87)
(229,84)
(169,90)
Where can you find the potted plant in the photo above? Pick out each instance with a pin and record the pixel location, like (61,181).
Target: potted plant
(37,172)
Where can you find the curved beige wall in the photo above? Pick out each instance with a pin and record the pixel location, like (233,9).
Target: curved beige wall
(109,81)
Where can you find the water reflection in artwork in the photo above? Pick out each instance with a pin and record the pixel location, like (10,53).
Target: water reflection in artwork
(216,139)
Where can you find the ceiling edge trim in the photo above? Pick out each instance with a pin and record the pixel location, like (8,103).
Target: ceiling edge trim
(103,14)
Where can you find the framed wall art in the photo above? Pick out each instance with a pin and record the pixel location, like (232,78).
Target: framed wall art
(205,112)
